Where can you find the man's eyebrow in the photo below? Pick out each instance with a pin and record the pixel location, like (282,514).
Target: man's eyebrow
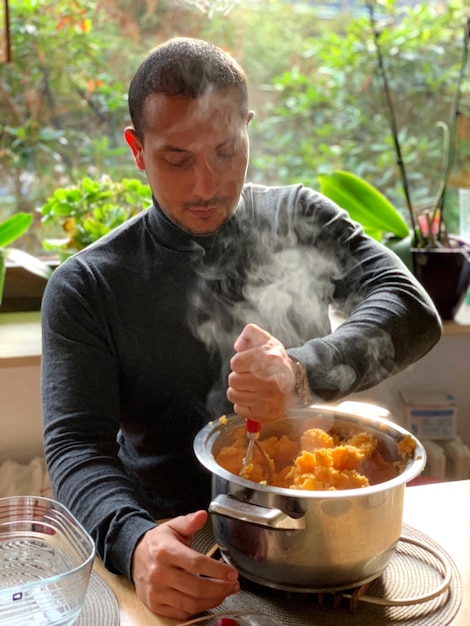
(170,148)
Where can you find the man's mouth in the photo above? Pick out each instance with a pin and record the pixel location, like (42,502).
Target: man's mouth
(204,212)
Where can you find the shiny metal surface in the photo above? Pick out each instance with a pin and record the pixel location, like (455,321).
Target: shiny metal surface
(344,538)
(249,452)
(247,512)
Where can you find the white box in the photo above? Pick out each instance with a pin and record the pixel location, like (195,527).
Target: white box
(430,415)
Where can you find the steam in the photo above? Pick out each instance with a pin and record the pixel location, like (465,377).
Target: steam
(254,275)
(286,294)
(262,273)
(212,6)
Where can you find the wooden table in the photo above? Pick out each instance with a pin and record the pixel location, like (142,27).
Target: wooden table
(441,511)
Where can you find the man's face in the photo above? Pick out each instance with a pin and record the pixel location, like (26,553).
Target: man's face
(195,155)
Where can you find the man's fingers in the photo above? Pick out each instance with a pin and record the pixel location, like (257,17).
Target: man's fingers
(251,336)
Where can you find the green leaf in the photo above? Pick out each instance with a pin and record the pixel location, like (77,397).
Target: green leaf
(402,248)
(375,233)
(364,203)
(13,227)
(29,262)
(2,277)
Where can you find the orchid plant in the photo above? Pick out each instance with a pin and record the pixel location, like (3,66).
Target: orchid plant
(367,205)
(428,229)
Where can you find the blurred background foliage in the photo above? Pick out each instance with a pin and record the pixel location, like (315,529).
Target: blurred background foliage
(313,84)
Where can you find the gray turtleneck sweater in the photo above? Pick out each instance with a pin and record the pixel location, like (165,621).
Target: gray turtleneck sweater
(138,330)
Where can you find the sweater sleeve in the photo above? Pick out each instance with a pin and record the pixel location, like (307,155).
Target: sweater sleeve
(79,386)
(391,322)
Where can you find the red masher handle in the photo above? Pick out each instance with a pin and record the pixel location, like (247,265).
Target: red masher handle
(252,426)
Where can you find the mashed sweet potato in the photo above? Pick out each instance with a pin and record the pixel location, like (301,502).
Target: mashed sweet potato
(318,461)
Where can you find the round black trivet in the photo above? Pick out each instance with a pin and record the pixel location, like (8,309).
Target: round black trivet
(416,570)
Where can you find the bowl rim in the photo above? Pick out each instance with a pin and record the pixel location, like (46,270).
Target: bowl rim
(56,505)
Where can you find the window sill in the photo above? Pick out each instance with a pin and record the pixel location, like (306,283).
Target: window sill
(23,290)
(20,335)
(460,325)
(20,339)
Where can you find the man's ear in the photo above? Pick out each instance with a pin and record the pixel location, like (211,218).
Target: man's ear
(135,144)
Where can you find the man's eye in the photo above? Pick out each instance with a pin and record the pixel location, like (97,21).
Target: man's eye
(226,154)
(178,162)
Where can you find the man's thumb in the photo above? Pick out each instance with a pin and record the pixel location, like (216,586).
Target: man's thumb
(188,525)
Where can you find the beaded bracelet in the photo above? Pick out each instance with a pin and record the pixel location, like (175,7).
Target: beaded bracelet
(302,388)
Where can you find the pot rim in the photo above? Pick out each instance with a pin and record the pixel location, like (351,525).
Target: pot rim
(209,434)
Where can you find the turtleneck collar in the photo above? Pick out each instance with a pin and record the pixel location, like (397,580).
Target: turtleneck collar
(174,237)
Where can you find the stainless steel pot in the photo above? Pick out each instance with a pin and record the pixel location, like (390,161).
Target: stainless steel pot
(308,541)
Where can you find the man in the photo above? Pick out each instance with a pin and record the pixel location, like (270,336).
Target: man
(213,300)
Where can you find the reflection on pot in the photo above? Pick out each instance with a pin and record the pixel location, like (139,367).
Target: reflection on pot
(445,274)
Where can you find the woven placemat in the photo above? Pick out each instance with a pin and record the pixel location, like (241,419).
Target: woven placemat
(413,571)
(100,607)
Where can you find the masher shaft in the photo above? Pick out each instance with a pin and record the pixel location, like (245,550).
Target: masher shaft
(249,452)
(252,437)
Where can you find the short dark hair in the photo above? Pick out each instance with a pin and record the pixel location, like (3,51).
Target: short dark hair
(183,67)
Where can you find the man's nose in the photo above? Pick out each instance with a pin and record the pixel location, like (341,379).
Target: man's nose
(205,180)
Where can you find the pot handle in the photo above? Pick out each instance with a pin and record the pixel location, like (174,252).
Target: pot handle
(255,514)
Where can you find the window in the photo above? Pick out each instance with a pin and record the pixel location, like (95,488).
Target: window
(313,83)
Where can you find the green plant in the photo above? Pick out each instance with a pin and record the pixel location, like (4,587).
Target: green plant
(428,229)
(365,204)
(370,208)
(327,111)
(53,107)
(11,229)
(90,209)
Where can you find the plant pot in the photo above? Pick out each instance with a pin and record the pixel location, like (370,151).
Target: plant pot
(445,274)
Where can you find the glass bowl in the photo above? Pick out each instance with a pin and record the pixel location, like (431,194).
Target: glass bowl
(45,563)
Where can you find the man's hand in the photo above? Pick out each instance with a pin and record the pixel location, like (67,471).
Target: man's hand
(174,580)
(262,381)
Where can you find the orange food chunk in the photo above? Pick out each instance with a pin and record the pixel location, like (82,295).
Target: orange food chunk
(316,438)
(318,461)
(406,446)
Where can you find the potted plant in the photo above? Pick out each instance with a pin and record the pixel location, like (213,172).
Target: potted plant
(440,261)
(90,209)
(12,229)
